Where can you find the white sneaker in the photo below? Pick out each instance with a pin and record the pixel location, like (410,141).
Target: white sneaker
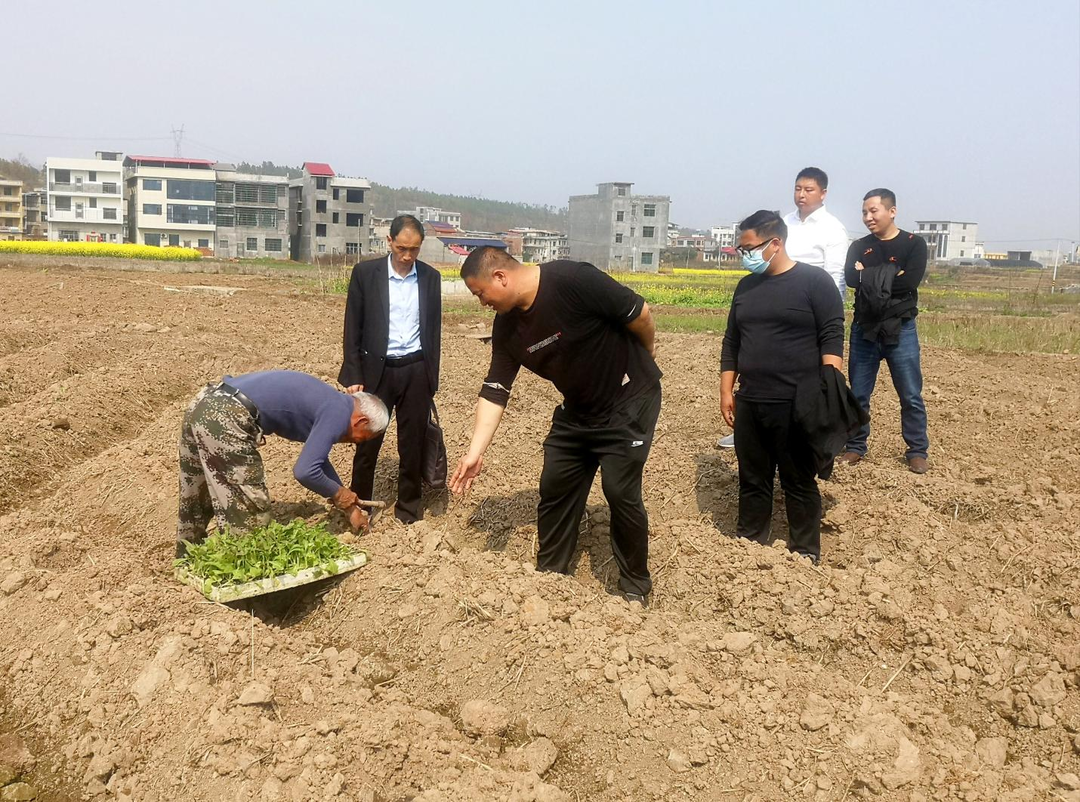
(726,442)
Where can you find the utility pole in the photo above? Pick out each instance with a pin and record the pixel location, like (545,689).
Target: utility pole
(178,139)
(1057,255)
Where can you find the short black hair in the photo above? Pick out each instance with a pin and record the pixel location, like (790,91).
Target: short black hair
(816,173)
(483,260)
(403,221)
(888,197)
(767,224)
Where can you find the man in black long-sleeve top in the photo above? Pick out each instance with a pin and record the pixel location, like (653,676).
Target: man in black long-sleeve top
(885,268)
(786,321)
(593,339)
(393,330)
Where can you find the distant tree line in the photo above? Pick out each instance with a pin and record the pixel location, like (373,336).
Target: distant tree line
(20,169)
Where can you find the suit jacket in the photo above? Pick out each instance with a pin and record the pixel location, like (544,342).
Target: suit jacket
(367,323)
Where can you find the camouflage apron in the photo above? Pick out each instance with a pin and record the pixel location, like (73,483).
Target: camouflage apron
(221,472)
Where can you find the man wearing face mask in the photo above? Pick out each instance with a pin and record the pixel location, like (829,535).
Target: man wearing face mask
(786,321)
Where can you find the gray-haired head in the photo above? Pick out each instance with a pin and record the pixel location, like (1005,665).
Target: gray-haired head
(372,408)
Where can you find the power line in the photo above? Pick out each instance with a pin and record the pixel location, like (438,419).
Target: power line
(89,138)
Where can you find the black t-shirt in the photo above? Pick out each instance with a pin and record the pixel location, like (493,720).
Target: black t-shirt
(906,250)
(575,336)
(778,329)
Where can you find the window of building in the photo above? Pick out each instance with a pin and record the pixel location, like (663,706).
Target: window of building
(649,210)
(247,193)
(354,196)
(204,243)
(965,228)
(352,248)
(268,193)
(622,191)
(185,189)
(62,176)
(648,232)
(354,220)
(191,215)
(108,214)
(963,239)
(174,240)
(225,217)
(222,244)
(93,203)
(320,183)
(632,230)
(109,188)
(933,226)
(273,245)
(618,238)
(335,218)
(9,190)
(253,243)
(646,258)
(320,229)
(619,216)
(152,239)
(226,193)
(93,177)
(320,207)
(961,253)
(112,237)
(62,204)
(151,183)
(337,194)
(321,248)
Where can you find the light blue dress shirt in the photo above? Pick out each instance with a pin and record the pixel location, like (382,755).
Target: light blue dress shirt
(404,335)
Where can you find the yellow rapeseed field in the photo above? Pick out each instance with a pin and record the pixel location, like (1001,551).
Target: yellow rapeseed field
(701,271)
(127,251)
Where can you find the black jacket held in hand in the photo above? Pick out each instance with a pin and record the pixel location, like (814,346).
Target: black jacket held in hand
(828,414)
(367,323)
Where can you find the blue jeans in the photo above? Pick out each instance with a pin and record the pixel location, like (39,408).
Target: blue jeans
(864,359)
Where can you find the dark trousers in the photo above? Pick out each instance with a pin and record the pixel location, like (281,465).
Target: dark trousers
(572,452)
(905,367)
(405,392)
(766,439)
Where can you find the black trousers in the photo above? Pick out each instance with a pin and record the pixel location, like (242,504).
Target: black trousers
(766,439)
(573,450)
(405,392)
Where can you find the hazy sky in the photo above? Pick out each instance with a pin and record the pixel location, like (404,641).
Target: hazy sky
(967,110)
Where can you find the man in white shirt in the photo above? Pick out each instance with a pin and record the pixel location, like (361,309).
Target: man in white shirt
(815,236)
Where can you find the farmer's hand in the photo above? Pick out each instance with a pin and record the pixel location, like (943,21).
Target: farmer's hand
(358,519)
(468,468)
(727,408)
(352,389)
(344,499)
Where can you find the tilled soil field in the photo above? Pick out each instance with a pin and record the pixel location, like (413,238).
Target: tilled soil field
(934,654)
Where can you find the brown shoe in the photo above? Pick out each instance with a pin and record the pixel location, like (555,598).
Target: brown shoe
(918,464)
(849,457)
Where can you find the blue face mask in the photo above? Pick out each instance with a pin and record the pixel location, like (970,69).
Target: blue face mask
(754,262)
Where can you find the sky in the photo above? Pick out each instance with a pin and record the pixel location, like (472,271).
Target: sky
(967,110)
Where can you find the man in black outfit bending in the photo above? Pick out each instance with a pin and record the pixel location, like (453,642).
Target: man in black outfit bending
(393,330)
(593,338)
(786,321)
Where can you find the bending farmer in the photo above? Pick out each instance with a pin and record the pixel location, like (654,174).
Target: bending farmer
(221,472)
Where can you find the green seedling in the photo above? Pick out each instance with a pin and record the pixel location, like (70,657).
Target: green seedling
(274,550)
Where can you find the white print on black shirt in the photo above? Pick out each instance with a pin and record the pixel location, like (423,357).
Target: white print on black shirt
(532,349)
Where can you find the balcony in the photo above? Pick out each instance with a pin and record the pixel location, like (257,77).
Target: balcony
(86,188)
(85,216)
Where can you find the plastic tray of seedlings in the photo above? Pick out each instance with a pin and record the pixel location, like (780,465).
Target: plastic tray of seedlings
(226,567)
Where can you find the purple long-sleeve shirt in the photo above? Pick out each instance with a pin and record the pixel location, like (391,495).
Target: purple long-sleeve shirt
(304,409)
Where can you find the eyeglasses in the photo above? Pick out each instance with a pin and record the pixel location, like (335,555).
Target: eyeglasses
(743,250)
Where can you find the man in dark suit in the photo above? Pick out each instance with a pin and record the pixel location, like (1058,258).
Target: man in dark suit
(393,331)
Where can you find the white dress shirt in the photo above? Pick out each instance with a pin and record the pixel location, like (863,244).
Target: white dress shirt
(819,240)
(404,334)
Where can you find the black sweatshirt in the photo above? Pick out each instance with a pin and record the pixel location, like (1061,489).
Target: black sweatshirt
(575,336)
(778,329)
(906,250)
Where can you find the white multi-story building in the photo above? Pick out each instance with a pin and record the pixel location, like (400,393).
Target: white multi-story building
(85,198)
(947,240)
(170,201)
(433,214)
(11,209)
(725,236)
